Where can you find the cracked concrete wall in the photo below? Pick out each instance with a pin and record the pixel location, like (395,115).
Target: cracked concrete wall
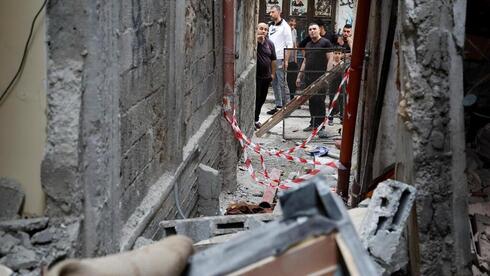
(429,139)
(134,107)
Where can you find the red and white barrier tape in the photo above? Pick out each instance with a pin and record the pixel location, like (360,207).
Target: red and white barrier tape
(246,142)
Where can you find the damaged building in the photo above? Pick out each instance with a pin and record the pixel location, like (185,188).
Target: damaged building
(112,133)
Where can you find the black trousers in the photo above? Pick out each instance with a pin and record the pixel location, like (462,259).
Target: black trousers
(292,74)
(316,103)
(339,107)
(262,86)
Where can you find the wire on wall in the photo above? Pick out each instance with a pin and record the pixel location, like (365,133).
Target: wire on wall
(5,93)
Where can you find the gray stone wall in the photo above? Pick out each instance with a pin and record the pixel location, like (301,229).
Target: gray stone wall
(134,107)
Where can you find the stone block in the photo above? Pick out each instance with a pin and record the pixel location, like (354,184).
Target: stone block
(209,188)
(11,198)
(382,230)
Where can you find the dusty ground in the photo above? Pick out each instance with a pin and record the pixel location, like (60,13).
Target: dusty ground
(283,136)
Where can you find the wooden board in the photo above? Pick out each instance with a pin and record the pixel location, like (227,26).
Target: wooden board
(294,104)
(316,256)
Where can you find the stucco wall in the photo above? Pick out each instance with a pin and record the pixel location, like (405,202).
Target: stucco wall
(22,114)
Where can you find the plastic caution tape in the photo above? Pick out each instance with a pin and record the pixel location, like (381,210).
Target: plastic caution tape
(245,142)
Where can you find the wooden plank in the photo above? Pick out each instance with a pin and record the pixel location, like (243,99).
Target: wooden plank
(316,256)
(309,91)
(270,191)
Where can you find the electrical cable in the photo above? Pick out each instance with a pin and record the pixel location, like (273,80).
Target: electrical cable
(24,55)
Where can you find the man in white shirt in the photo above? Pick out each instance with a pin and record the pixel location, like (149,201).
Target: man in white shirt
(280,35)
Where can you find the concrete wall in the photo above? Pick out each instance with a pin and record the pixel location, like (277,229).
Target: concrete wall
(22,115)
(134,107)
(426,137)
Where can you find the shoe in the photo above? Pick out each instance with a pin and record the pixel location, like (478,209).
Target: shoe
(257,125)
(308,129)
(273,111)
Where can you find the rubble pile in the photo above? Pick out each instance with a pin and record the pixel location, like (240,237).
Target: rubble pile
(28,245)
(478,175)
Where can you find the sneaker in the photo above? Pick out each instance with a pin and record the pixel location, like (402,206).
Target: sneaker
(308,129)
(257,125)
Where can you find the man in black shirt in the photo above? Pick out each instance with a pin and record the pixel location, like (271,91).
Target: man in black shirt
(266,68)
(315,65)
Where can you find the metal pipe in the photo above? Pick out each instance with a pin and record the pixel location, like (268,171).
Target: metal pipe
(353,87)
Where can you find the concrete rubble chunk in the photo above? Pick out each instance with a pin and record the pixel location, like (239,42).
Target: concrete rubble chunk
(20,258)
(7,242)
(382,230)
(209,188)
(26,225)
(11,198)
(45,236)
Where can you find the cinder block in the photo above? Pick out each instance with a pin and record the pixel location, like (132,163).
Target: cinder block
(203,228)
(382,230)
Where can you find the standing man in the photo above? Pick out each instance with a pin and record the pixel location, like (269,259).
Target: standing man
(280,34)
(293,60)
(315,65)
(266,68)
(345,41)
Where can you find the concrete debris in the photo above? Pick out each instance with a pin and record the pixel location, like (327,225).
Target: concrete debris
(11,198)
(7,243)
(45,236)
(27,245)
(383,227)
(20,258)
(203,228)
(314,223)
(209,189)
(24,225)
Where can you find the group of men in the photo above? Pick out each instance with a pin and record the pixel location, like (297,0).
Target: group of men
(273,62)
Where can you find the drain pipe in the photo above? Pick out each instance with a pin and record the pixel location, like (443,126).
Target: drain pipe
(229,49)
(353,87)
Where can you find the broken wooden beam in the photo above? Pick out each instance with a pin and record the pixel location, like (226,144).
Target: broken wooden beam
(294,104)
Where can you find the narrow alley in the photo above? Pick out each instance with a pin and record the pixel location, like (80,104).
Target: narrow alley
(232,137)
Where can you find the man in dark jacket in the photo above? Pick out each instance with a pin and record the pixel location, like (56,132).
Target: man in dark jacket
(266,68)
